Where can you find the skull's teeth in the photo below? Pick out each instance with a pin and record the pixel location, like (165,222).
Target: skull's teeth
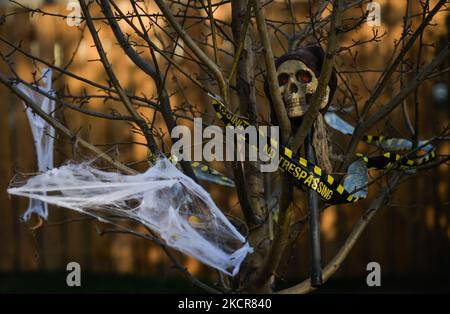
(293,100)
(293,107)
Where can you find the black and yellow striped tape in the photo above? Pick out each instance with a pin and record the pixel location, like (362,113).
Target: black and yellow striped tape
(206,173)
(306,174)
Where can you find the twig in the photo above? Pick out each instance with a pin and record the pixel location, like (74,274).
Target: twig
(61,128)
(325,74)
(397,100)
(383,81)
(151,71)
(115,82)
(278,104)
(214,68)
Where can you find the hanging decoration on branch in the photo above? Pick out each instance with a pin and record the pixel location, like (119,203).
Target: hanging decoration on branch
(298,78)
(163,199)
(43,134)
(311,176)
(206,173)
(298,73)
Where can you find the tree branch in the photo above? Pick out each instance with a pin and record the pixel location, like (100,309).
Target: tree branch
(151,71)
(363,125)
(271,71)
(397,100)
(61,128)
(325,74)
(391,69)
(343,252)
(262,277)
(115,82)
(214,68)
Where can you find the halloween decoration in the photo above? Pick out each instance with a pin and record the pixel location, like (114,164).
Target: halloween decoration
(163,199)
(43,135)
(306,174)
(298,78)
(354,188)
(298,75)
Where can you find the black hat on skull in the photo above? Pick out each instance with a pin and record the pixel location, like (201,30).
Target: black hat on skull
(312,57)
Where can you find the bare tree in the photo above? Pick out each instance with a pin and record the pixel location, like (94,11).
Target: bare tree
(183,46)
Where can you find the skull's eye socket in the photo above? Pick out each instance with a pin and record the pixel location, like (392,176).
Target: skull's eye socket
(303,76)
(283,79)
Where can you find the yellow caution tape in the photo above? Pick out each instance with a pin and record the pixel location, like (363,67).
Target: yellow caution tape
(306,174)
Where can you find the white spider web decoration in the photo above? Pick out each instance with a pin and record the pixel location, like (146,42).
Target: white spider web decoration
(165,200)
(43,134)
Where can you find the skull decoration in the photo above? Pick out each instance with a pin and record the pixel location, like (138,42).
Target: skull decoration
(297,83)
(298,75)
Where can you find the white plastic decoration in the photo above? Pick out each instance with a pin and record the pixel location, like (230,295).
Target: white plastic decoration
(163,199)
(43,134)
